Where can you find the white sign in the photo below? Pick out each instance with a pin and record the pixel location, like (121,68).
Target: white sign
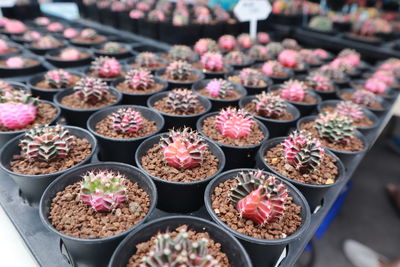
(7,3)
(247,10)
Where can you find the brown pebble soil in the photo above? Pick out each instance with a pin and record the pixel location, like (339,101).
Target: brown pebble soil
(45,85)
(161,105)
(153,162)
(36,45)
(73,101)
(199,66)
(364,122)
(71,217)
(159,65)
(98,39)
(236,79)
(11,50)
(251,107)
(124,87)
(375,105)
(192,78)
(233,95)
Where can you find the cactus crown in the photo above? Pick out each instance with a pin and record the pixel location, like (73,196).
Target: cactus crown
(126,120)
(235,58)
(58,78)
(212,61)
(294,90)
(181,52)
(182,100)
(375,86)
(363,97)
(334,128)
(319,81)
(139,79)
(244,40)
(88,34)
(234,123)
(227,42)
(259,197)
(47,143)
(273,68)
(179,70)
(270,105)
(91,90)
(302,151)
(205,45)
(219,88)
(112,47)
(259,52)
(106,67)
(103,190)
(10,95)
(179,251)
(290,43)
(183,149)
(250,77)
(156,16)
(47,41)
(146,59)
(274,49)
(321,23)
(350,110)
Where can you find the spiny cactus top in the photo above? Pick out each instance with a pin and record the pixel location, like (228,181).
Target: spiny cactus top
(334,128)
(112,47)
(294,90)
(103,190)
(58,79)
(179,70)
(302,151)
(244,40)
(227,42)
(205,45)
(236,58)
(181,52)
(363,97)
(203,16)
(274,48)
(250,77)
(179,251)
(91,90)
(47,143)
(375,86)
(31,36)
(146,60)
(385,76)
(234,123)
(273,68)
(182,100)
(183,149)
(219,88)
(156,16)
(270,105)
(290,59)
(139,79)
(335,73)
(319,81)
(258,52)
(70,54)
(259,197)
(16,62)
(126,120)
(350,110)
(180,17)
(106,67)
(212,61)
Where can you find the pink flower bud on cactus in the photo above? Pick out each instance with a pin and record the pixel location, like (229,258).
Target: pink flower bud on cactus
(258,197)
(258,52)
(350,110)
(294,90)
(183,149)
(182,100)
(273,68)
(146,60)
(219,88)
(375,86)
(250,77)
(179,70)
(352,57)
(55,27)
(3,47)
(321,53)
(363,97)
(91,90)
(104,191)
(269,105)
(70,54)
(47,143)
(70,33)
(15,62)
(32,36)
(106,67)
(302,151)
(244,40)
(236,58)
(320,82)
(136,14)
(263,38)
(15,27)
(227,42)
(234,123)
(205,45)
(58,78)
(42,21)
(384,76)
(127,120)
(47,41)
(290,58)
(89,34)
(212,61)
(139,79)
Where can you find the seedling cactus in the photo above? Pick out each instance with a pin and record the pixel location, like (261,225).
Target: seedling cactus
(234,123)
(259,197)
(289,43)
(89,34)
(106,67)
(244,40)
(294,90)
(363,97)
(263,38)
(126,120)
(375,86)
(269,105)
(351,56)
(70,54)
(350,110)
(139,79)
(91,90)
(179,71)
(205,45)
(47,41)
(259,52)
(274,49)
(227,42)
(321,23)
(182,100)
(219,88)
(250,77)
(212,61)
(319,81)
(181,52)
(104,191)
(58,79)
(146,60)
(290,59)
(273,68)
(334,128)
(235,58)
(112,47)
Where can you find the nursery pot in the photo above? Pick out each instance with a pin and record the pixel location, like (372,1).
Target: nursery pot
(253,90)
(229,245)
(93,252)
(389,96)
(179,121)
(186,34)
(109,81)
(78,117)
(121,150)
(24,71)
(238,156)
(217,103)
(60,63)
(314,193)
(42,51)
(179,196)
(131,61)
(33,186)
(179,84)
(275,127)
(325,95)
(149,29)
(125,22)
(263,252)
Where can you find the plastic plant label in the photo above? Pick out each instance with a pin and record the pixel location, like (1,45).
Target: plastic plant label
(7,3)
(247,10)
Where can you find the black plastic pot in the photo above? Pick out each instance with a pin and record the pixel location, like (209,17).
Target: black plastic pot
(179,121)
(253,90)
(24,71)
(6,136)
(230,246)
(176,196)
(217,103)
(389,95)
(106,16)
(249,62)
(86,44)
(93,252)
(121,150)
(149,29)
(8,54)
(314,193)
(22,12)
(346,157)
(186,35)
(342,26)
(43,51)
(178,84)
(263,252)
(58,62)
(125,22)
(33,186)
(118,55)
(93,12)
(378,112)
(374,42)
(46,94)
(79,117)
(325,95)
(238,157)
(275,127)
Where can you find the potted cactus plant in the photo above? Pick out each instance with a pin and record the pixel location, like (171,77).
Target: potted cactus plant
(236,132)
(238,59)
(103,202)
(259,53)
(180,52)
(264,212)
(274,49)
(47,85)
(122,129)
(227,43)
(147,60)
(113,49)
(336,74)
(321,24)
(364,98)
(321,84)
(272,110)
(183,162)
(205,45)
(7,48)
(376,86)
(308,56)
(253,80)
(275,71)
(107,69)
(69,57)
(179,107)
(27,37)
(212,64)
(180,74)
(22,65)
(244,41)
(292,59)
(86,97)
(34,159)
(87,38)
(45,44)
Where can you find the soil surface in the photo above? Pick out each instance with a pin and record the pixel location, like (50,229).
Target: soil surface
(161,105)
(251,107)
(159,65)
(98,39)
(45,85)
(199,66)
(73,101)
(124,87)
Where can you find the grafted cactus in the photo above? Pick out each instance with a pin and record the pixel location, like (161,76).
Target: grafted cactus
(270,105)
(236,58)
(274,49)
(234,123)
(334,128)
(227,42)
(181,52)
(146,60)
(182,100)
(139,79)
(244,40)
(127,120)
(258,52)
(294,90)
(319,81)
(363,97)
(290,59)
(273,68)
(91,90)
(205,45)
(250,77)
(58,79)
(376,86)
(350,110)
(106,67)
(179,70)
(219,88)
(212,61)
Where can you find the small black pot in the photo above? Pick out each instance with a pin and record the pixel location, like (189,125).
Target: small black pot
(46,94)
(86,44)
(32,187)
(275,127)
(325,95)
(179,121)
(249,62)
(186,35)
(24,71)
(78,117)
(314,193)
(178,84)
(51,58)
(345,156)
(216,103)
(119,55)
(93,252)
(92,12)
(239,157)
(253,90)
(213,31)
(106,16)
(43,51)
(121,150)
(342,26)
(17,52)
(389,96)
(379,99)
(230,246)
(186,197)
(125,22)
(372,42)
(263,252)
(149,29)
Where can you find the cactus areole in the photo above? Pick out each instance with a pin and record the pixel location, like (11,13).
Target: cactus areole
(234,123)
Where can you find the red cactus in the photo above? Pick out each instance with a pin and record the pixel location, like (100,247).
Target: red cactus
(205,45)
(273,68)
(234,123)
(290,58)
(375,86)
(139,79)
(212,61)
(227,42)
(106,67)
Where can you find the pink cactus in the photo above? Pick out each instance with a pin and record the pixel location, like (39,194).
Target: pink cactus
(289,43)
(212,61)
(58,78)
(42,21)
(259,52)
(55,27)
(307,56)
(146,60)
(16,116)
(350,110)
(70,33)
(263,38)
(234,123)
(91,90)
(250,77)
(352,57)
(290,58)
(236,58)
(15,27)
(273,68)
(385,76)
(47,42)
(88,34)
(32,36)
(118,6)
(294,90)
(3,47)
(143,6)
(136,14)
(375,86)
(15,62)
(127,120)
(106,67)
(363,97)
(205,45)
(321,53)
(270,105)
(244,40)
(70,54)
(219,88)
(320,82)
(139,79)
(183,149)
(227,42)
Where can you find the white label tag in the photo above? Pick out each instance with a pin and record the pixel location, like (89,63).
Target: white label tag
(7,3)
(247,10)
